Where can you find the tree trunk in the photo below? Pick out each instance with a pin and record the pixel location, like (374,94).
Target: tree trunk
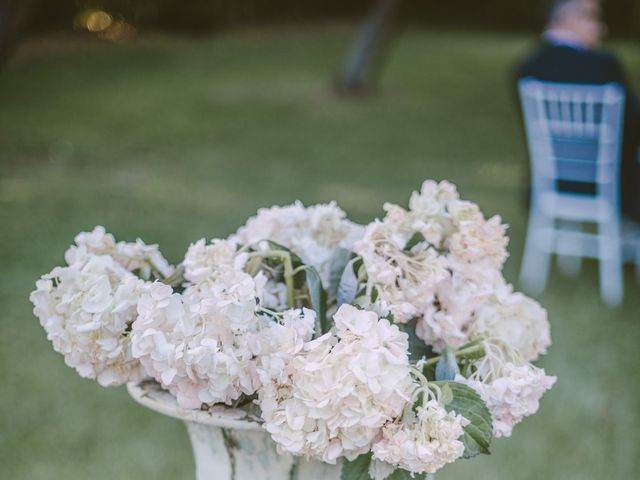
(366,50)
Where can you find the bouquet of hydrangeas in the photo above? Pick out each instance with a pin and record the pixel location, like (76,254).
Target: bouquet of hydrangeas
(395,347)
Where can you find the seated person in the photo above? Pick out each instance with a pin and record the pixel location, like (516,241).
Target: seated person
(570,54)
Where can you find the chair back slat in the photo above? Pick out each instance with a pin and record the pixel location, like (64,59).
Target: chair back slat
(578,117)
(574,134)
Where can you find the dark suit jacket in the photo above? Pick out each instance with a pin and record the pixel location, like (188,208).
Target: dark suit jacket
(559,63)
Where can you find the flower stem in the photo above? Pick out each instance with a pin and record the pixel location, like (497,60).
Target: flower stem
(272,313)
(176,278)
(463,352)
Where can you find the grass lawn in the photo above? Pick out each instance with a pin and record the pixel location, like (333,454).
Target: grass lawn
(175,139)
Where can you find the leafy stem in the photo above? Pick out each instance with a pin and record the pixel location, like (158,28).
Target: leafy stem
(289,273)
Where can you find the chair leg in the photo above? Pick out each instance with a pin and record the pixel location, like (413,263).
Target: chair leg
(537,253)
(638,263)
(611,270)
(569,263)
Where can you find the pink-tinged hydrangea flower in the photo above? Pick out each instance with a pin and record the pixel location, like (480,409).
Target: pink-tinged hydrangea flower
(424,441)
(87,310)
(437,247)
(136,257)
(440,262)
(475,239)
(405,280)
(510,387)
(313,233)
(340,389)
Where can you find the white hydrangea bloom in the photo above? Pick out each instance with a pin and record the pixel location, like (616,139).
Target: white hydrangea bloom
(515,318)
(405,280)
(199,344)
(97,241)
(433,198)
(434,261)
(274,295)
(424,443)
(340,389)
(209,262)
(286,415)
(135,257)
(313,233)
(468,310)
(446,321)
(281,341)
(379,307)
(204,262)
(511,393)
(87,310)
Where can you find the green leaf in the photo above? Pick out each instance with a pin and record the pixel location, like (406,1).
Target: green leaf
(417,347)
(296,261)
(357,469)
(466,402)
(447,394)
(374,294)
(415,239)
(348,287)
(400,474)
(318,298)
(338,262)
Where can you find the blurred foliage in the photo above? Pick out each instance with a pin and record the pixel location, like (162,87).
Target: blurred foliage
(623,16)
(174,139)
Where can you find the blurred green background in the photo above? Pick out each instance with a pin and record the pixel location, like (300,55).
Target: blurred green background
(176,138)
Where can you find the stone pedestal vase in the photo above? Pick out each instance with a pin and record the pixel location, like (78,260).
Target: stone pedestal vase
(229,445)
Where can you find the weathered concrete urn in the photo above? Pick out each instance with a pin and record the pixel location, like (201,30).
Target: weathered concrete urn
(228,444)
